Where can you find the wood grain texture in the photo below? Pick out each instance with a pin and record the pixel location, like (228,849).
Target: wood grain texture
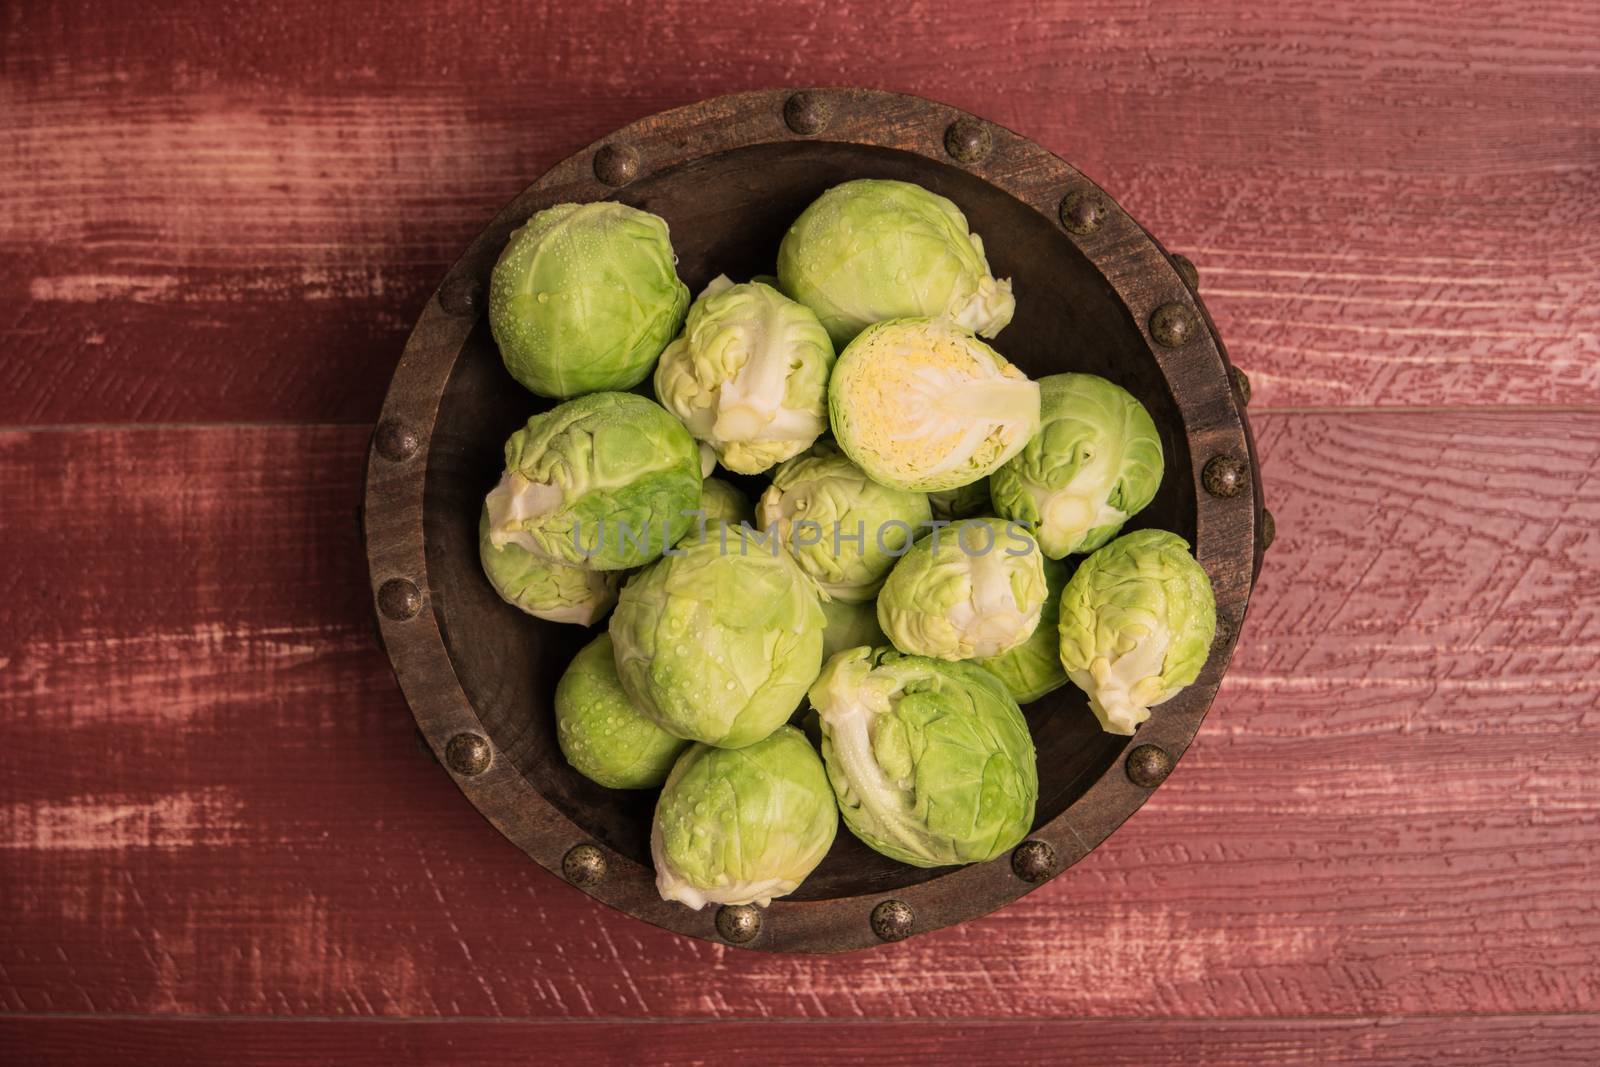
(236,216)
(212,800)
(1548,1041)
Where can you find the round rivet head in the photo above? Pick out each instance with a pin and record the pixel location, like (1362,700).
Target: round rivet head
(1083,212)
(1173,325)
(738,924)
(1034,861)
(467,754)
(584,865)
(461,295)
(1187,271)
(1241,385)
(1224,476)
(398,599)
(1149,766)
(1269,529)
(807,113)
(395,440)
(616,164)
(892,920)
(968,140)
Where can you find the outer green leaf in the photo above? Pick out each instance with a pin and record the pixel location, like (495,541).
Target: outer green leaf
(1095,462)
(845,530)
(749,376)
(1137,619)
(718,641)
(745,826)
(971,591)
(1033,668)
(606,481)
(870,250)
(931,761)
(603,736)
(584,298)
(544,588)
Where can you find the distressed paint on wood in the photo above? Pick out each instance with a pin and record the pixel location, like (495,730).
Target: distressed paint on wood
(1390,810)
(237,218)
(1485,1041)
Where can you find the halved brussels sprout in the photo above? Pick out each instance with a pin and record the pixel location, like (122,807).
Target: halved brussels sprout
(1033,668)
(931,761)
(605,481)
(749,376)
(923,404)
(962,502)
(844,529)
(742,827)
(1137,620)
(970,591)
(721,502)
(603,736)
(718,641)
(542,587)
(1095,462)
(870,250)
(584,298)
(854,625)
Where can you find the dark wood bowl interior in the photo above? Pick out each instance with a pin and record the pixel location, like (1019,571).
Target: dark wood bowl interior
(727,213)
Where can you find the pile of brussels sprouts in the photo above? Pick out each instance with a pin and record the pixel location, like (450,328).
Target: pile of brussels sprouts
(898,587)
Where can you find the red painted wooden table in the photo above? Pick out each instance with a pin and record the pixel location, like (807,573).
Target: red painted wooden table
(219,838)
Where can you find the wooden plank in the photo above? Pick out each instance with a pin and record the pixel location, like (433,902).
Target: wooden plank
(237,217)
(1549,1041)
(212,799)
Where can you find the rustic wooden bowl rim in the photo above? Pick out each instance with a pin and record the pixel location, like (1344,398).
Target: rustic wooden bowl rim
(1143,277)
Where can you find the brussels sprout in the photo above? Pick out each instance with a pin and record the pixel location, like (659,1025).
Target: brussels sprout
(584,298)
(1136,626)
(749,376)
(721,502)
(844,529)
(931,761)
(923,404)
(718,641)
(1033,668)
(871,250)
(544,588)
(607,481)
(972,591)
(1095,462)
(742,827)
(962,502)
(601,733)
(854,625)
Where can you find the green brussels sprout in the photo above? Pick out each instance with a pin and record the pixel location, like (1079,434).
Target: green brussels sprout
(854,625)
(601,733)
(1137,619)
(749,376)
(721,502)
(605,481)
(923,404)
(1033,668)
(931,761)
(584,298)
(544,588)
(1095,462)
(870,250)
(962,502)
(742,827)
(845,530)
(972,591)
(718,641)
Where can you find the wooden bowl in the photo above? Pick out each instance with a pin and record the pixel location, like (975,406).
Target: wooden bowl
(1094,293)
